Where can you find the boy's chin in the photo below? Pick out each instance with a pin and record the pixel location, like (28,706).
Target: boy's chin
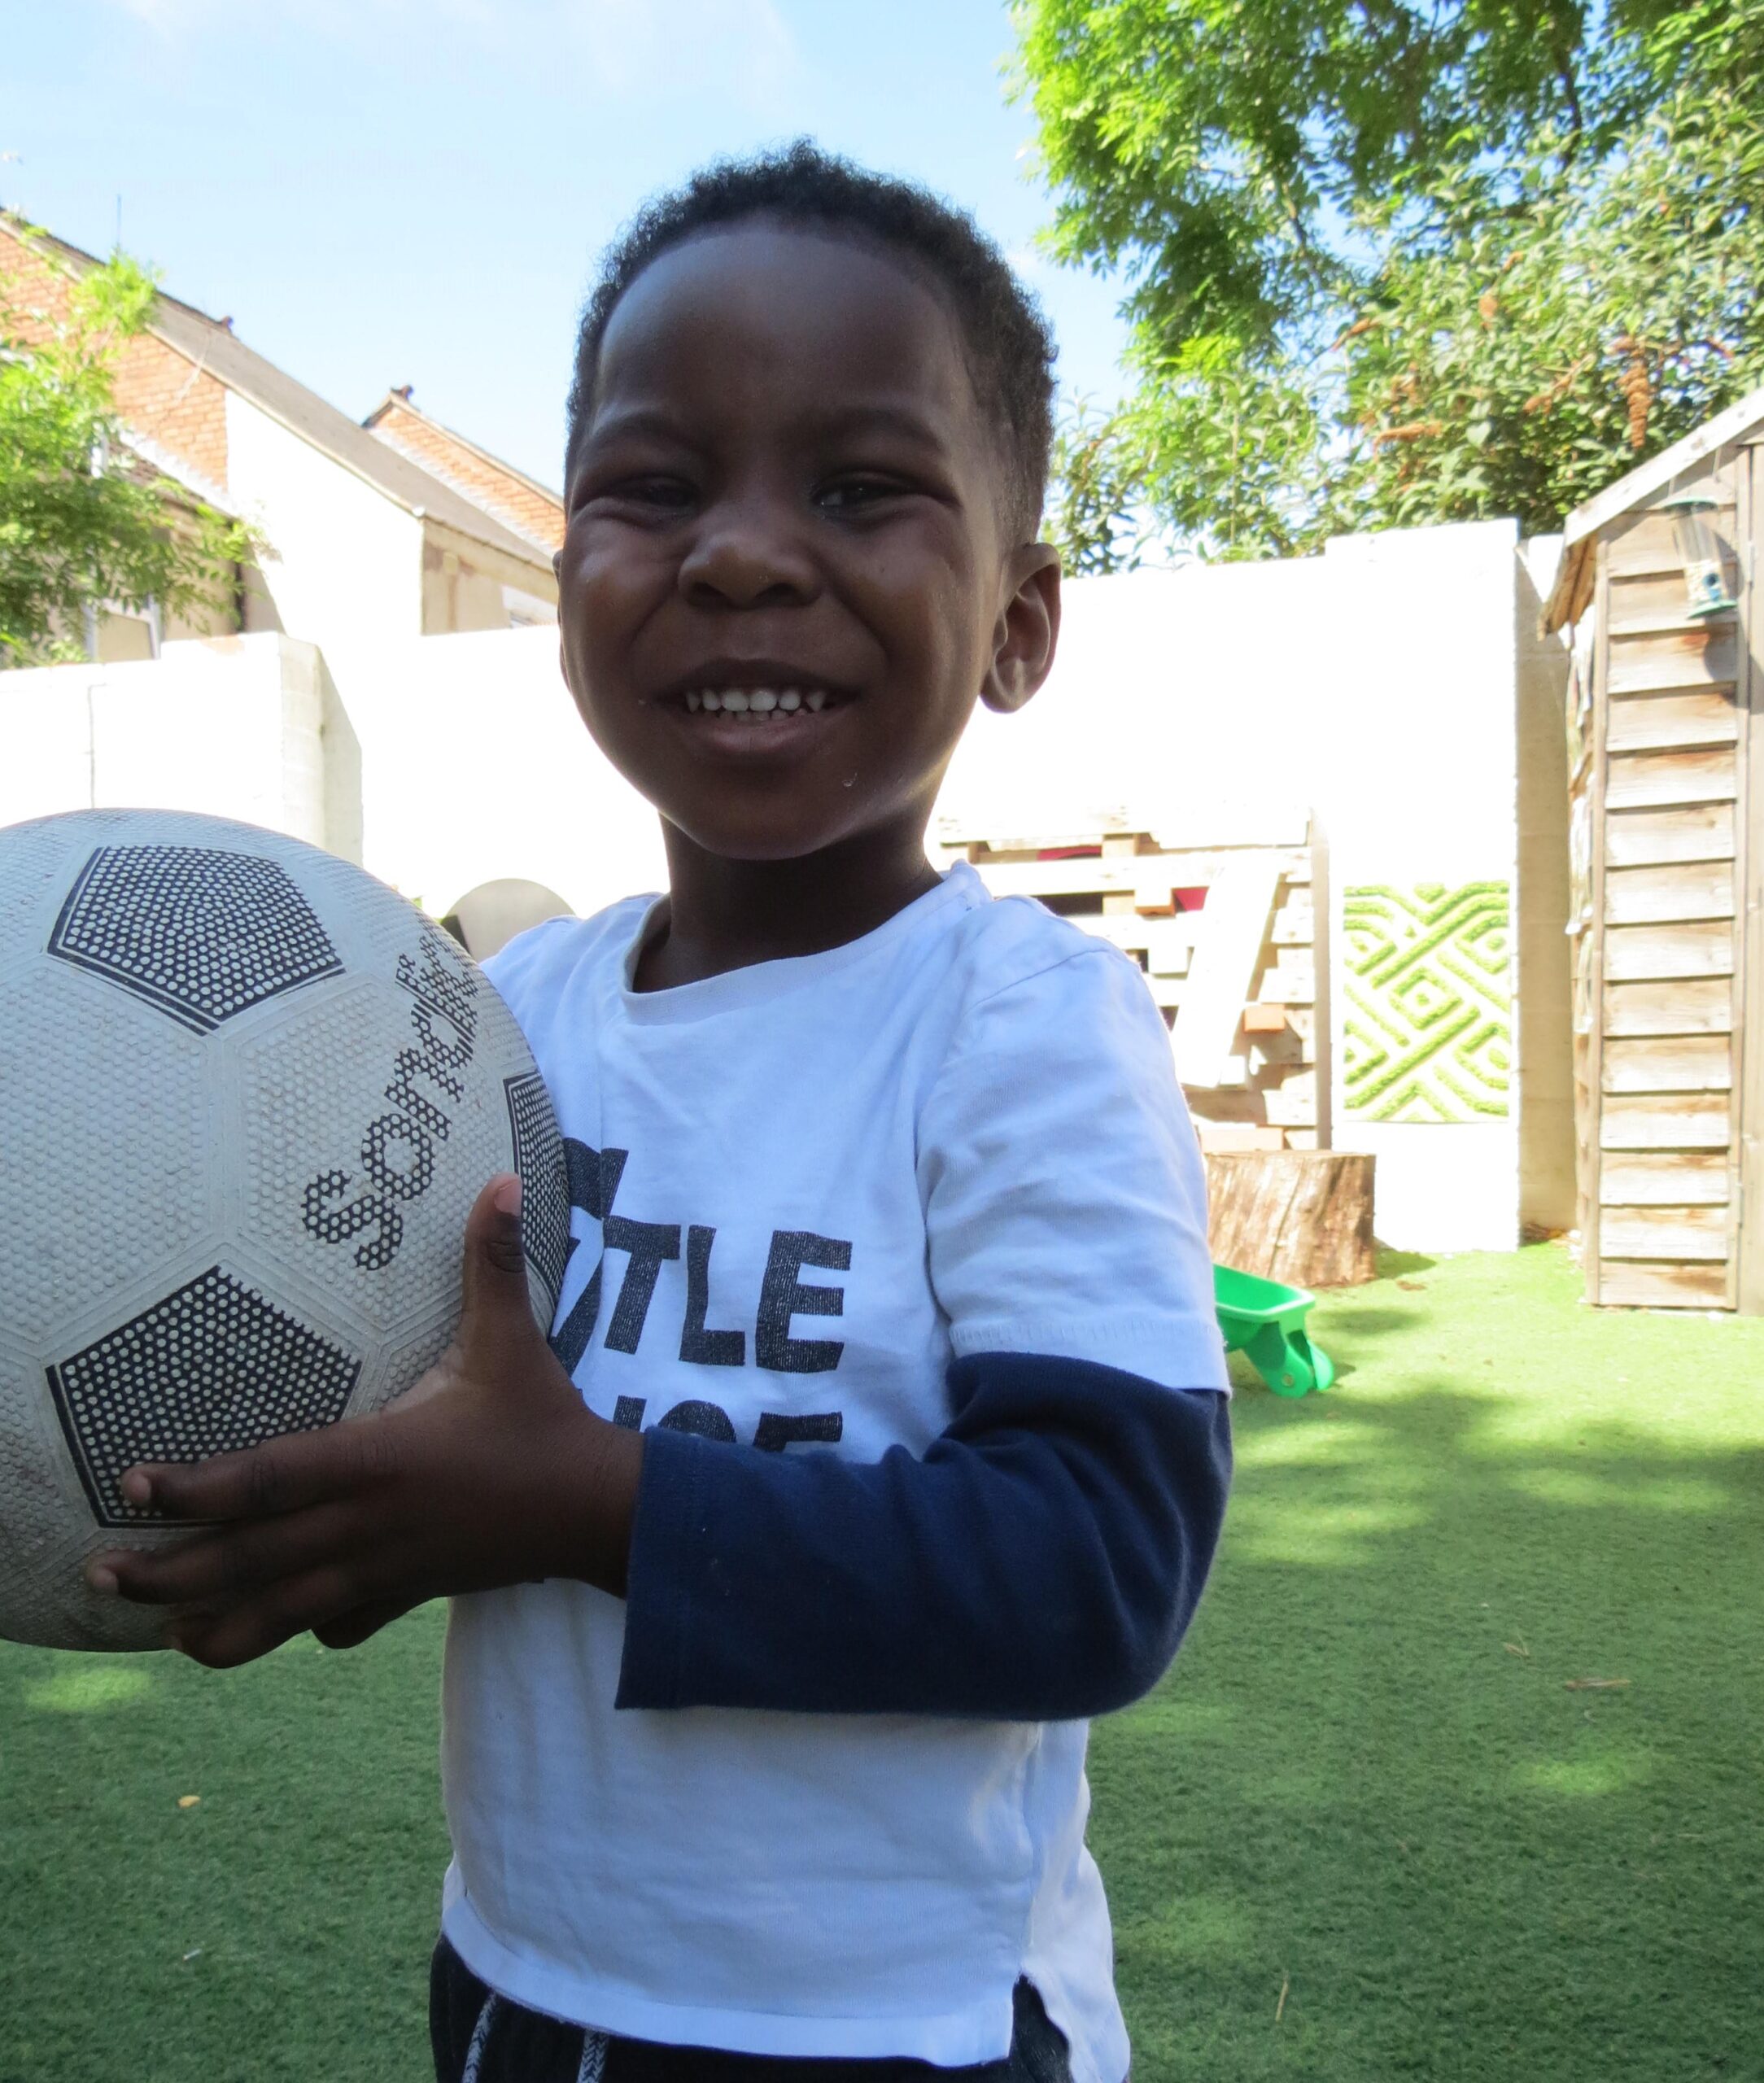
(751,848)
(795,832)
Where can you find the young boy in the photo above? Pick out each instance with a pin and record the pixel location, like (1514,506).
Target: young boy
(881,1437)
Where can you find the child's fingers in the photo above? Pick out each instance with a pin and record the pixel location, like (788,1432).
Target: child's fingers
(225,1640)
(348,1631)
(287,1474)
(495,1268)
(225,1565)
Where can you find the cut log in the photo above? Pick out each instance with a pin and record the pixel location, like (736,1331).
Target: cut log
(1232,1136)
(1302,1216)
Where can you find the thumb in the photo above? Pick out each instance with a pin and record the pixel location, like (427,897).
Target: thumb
(496,1300)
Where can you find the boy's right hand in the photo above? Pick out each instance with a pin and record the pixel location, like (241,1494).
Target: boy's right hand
(489,1471)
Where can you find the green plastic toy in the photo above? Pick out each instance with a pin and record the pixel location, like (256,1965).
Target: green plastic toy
(1266,1320)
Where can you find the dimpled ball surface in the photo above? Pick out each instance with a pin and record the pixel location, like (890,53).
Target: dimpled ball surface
(248,1097)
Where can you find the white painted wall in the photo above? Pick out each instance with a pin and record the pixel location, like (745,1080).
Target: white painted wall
(438,762)
(1421,786)
(475,766)
(1376,683)
(238,726)
(344,565)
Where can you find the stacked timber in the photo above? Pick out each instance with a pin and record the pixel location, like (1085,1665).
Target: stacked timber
(1144,888)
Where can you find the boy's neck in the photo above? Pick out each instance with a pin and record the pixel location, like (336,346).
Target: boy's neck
(724,915)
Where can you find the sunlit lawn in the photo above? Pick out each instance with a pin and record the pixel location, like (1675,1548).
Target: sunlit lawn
(1378,1780)
(1375,1824)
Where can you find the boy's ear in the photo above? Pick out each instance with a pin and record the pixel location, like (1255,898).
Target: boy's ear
(1027,629)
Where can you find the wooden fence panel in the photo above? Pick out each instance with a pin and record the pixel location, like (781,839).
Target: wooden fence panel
(1689,1005)
(1638,954)
(1641,839)
(1665,1121)
(1665,1178)
(1645,780)
(1683,890)
(1682,1062)
(1641,1286)
(1688,656)
(1652,722)
(1685,1233)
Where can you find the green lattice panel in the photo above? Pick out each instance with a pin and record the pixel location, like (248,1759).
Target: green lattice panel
(1428,1027)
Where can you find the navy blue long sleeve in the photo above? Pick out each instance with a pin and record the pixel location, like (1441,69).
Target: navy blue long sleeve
(1040,1563)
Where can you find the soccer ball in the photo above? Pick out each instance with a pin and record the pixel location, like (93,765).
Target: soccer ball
(248,1097)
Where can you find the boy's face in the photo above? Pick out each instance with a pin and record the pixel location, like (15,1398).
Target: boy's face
(786,492)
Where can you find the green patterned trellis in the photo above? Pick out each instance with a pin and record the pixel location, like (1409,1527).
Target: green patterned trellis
(1428,1027)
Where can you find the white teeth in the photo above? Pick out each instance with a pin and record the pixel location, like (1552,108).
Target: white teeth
(758,705)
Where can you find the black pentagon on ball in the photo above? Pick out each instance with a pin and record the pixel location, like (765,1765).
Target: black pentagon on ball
(211,1370)
(200,932)
(538,1158)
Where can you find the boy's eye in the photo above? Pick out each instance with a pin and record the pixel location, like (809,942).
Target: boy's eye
(648,488)
(852,493)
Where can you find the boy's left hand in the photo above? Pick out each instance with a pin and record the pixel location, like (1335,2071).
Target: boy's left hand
(490,1471)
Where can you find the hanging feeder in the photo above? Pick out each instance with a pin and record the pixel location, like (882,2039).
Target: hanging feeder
(1699,548)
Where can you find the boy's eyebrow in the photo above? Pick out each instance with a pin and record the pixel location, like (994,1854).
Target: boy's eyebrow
(637,421)
(634,420)
(879,418)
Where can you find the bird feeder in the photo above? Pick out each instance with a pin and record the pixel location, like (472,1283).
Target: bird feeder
(1699,548)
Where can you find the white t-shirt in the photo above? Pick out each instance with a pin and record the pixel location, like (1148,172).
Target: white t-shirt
(972,1114)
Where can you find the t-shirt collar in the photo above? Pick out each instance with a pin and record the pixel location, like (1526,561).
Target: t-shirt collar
(760,981)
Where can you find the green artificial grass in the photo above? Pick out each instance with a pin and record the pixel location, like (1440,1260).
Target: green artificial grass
(1370,1827)
(1373,1780)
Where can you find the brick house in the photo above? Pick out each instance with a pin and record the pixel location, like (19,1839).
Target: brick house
(397,528)
(529,508)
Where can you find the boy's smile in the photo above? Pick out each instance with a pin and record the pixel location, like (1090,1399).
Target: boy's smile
(786,577)
(755,708)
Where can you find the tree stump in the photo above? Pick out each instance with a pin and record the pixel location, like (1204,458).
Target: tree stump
(1302,1216)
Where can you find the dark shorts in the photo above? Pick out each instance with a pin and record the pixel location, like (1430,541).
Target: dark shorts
(481,2037)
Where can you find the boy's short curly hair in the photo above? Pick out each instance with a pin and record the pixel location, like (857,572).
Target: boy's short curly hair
(1010,347)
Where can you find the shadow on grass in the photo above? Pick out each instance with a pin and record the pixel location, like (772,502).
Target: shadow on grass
(1463,1753)
(1393,1265)
(277,1925)
(1375,1795)
(1351,1324)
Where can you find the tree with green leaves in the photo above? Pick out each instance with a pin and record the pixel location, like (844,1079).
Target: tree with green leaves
(86,525)
(1389,262)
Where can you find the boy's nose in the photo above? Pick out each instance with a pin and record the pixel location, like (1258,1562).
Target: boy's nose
(748,555)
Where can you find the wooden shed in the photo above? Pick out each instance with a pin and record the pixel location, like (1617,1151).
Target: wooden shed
(1665,759)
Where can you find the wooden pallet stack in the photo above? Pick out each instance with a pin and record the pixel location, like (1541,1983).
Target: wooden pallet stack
(1145,887)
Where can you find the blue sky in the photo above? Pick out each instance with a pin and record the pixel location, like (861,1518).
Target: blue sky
(392,191)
